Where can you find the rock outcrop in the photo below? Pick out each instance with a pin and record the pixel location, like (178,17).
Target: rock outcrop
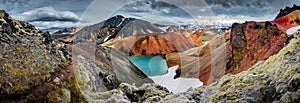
(102,70)
(252,42)
(127,93)
(31,65)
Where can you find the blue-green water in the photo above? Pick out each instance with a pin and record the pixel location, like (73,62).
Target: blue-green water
(150,65)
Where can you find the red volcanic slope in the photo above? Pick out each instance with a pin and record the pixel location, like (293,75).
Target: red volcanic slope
(252,42)
(288,21)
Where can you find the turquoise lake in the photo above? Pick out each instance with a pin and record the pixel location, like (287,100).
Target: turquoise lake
(150,65)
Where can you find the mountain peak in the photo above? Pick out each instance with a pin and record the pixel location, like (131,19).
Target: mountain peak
(287,10)
(118,16)
(116,26)
(116,21)
(3,14)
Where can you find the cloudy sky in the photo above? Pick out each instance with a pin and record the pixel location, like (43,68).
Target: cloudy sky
(71,13)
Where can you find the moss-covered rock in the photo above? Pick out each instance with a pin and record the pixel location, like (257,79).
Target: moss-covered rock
(29,62)
(126,93)
(60,95)
(99,69)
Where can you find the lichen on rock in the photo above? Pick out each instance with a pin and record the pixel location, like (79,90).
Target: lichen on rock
(29,61)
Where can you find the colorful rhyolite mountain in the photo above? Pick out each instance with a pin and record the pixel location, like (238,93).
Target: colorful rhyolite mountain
(287,18)
(288,21)
(154,44)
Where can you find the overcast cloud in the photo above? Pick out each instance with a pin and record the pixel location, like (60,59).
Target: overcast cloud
(47,14)
(68,13)
(249,7)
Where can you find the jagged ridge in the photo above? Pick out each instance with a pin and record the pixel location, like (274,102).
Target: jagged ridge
(287,10)
(28,59)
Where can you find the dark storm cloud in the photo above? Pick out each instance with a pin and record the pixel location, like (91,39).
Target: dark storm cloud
(255,8)
(228,7)
(68,12)
(177,8)
(19,6)
(147,6)
(246,3)
(46,13)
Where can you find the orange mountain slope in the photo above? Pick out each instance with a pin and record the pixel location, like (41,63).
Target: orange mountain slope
(288,21)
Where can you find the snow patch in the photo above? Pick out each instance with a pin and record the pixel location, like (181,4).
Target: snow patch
(292,30)
(176,85)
